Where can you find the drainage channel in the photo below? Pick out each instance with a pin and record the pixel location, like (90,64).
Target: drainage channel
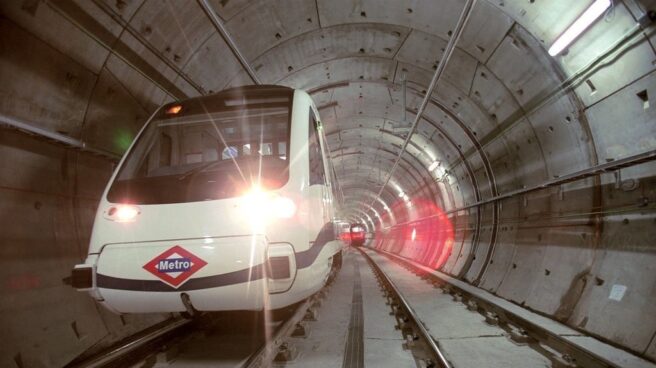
(424,349)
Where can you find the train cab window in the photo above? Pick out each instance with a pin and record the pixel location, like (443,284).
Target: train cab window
(229,152)
(194,158)
(193,149)
(282,150)
(216,147)
(210,148)
(317,174)
(266,149)
(165,146)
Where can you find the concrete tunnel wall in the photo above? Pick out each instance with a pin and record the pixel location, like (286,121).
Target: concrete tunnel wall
(94,71)
(559,251)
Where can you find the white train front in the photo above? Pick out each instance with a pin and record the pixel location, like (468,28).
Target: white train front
(223,202)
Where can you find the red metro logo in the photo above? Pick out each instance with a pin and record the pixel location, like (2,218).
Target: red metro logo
(175,266)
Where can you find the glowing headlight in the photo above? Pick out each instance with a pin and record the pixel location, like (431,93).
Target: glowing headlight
(259,203)
(123,213)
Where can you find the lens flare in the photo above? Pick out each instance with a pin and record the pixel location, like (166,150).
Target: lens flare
(267,206)
(429,240)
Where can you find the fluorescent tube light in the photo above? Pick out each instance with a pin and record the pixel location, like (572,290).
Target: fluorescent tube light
(591,14)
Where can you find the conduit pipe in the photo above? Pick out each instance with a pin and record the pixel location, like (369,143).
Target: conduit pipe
(54,136)
(220,27)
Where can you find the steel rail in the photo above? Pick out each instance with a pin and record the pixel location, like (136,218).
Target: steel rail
(262,358)
(119,352)
(446,56)
(220,27)
(389,285)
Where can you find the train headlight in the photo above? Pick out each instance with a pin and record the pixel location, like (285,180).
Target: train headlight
(260,203)
(122,213)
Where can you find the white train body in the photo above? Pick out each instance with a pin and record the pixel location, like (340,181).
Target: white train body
(196,218)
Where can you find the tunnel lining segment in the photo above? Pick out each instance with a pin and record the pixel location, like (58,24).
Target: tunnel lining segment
(464,17)
(92,28)
(419,179)
(220,27)
(575,176)
(127,27)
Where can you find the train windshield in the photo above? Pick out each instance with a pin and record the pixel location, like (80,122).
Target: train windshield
(209,148)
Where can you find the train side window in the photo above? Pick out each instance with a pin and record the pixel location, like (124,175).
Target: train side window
(317,174)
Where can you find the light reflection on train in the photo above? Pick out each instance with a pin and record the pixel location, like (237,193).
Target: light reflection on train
(428,240)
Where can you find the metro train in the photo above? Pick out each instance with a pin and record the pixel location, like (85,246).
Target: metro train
(222,202)
(358,234)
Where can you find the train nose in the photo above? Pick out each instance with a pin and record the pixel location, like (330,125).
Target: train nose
(210,272)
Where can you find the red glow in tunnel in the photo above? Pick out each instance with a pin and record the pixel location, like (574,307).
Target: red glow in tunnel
(428,241)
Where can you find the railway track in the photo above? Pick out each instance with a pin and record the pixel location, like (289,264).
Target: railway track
(145,348)
(413,318)
(425,350)
(562,346)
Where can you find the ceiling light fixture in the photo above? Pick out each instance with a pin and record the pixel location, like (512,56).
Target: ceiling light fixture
(433,165)
(591,14)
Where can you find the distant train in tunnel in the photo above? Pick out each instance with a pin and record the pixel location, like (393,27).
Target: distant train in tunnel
(357,235)
(223,202)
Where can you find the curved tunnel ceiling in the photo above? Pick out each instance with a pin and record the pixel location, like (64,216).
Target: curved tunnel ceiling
(353,58)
